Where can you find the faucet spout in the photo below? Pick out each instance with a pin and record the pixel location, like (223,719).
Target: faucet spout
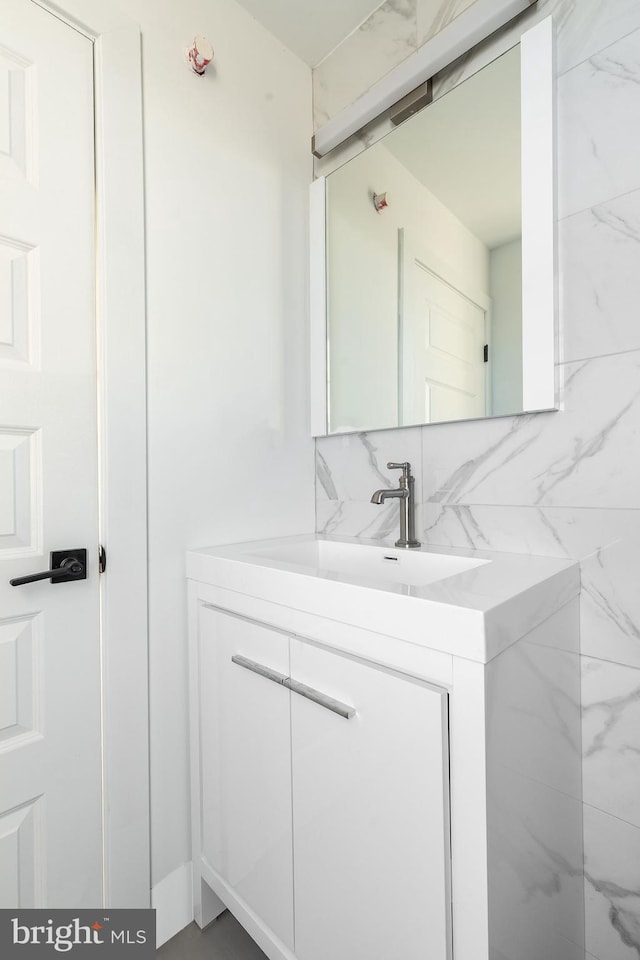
(381,495)
(405,493)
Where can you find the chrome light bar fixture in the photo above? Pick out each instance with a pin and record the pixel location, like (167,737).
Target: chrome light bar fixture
(477,23)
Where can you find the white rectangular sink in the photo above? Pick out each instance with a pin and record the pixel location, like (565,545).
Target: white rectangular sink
(463,602)
(391,565)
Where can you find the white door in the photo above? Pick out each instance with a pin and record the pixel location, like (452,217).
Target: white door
(370,813)
(442,348)
(50,742)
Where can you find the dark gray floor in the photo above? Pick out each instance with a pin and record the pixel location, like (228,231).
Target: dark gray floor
(224,939)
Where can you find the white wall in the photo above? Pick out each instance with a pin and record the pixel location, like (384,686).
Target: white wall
(227,165)
(505,271)
(363,278)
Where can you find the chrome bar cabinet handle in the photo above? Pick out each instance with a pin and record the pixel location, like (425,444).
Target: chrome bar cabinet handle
(336,706)
(259,668)
(329,703)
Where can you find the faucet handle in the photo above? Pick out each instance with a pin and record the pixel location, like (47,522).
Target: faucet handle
(405,467)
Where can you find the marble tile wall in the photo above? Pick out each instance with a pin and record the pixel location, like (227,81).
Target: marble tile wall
(561,484)
(534,802)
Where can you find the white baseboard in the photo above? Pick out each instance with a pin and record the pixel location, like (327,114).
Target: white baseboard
(173,902)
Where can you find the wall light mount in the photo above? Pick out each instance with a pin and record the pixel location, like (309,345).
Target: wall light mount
(380,201)
(199,55)
(477,23)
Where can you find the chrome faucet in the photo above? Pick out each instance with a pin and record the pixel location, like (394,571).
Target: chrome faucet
(405,493)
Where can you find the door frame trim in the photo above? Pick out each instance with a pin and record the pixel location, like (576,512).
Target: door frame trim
(122,426)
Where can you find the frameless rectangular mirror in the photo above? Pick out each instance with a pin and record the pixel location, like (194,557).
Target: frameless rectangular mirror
(433,291)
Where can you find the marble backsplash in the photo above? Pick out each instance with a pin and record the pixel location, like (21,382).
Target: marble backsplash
(563,484)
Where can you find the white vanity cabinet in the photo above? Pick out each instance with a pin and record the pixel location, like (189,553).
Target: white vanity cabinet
(245,766)
(370,813)
(324,807)
(385,750)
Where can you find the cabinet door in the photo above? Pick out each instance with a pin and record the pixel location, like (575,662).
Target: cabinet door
(370,810)
(246,765)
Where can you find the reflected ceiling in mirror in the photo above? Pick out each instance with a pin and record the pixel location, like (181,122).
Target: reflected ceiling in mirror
(424,296)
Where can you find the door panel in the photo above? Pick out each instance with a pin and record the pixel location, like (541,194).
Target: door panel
(370,805)
(443,335)
(50,739)
(16,129)
(22,874)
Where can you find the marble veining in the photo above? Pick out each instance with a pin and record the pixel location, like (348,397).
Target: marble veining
(611,738)
(612,886)
(574,533)
(352,466)
(324,478)
(532,529)
(567,489)
(577,36)
(599,253)
(585,27)
(356,519)
(611,601)
(597,159)
(536,731)
(569,458)
(383,41)
(433,16)
(607,542)
(535,866)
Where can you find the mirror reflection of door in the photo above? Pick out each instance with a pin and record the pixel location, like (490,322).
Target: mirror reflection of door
(441,346)
(407,323)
